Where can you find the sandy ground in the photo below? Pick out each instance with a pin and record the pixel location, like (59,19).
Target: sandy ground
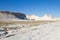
(43,31)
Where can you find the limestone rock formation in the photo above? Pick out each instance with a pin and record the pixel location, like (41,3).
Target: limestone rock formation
(34,17)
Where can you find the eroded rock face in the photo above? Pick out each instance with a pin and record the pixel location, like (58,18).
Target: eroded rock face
(5,15)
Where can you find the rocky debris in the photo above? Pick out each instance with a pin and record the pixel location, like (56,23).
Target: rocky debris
(3,32)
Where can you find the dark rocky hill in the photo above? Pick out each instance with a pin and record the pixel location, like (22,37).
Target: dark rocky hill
(7,15)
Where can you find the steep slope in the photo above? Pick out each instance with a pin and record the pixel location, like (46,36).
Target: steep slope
(7,15)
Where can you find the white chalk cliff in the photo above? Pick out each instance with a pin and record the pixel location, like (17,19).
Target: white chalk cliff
(45,17)
(34,17)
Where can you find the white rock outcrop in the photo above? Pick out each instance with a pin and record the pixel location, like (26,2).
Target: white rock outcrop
(45,17)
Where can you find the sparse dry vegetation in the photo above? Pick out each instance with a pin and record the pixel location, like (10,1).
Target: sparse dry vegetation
(21,22)
(24,22)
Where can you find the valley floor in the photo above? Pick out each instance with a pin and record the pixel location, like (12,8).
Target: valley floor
(43,31)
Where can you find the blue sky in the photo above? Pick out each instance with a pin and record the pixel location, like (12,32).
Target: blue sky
(37,7)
